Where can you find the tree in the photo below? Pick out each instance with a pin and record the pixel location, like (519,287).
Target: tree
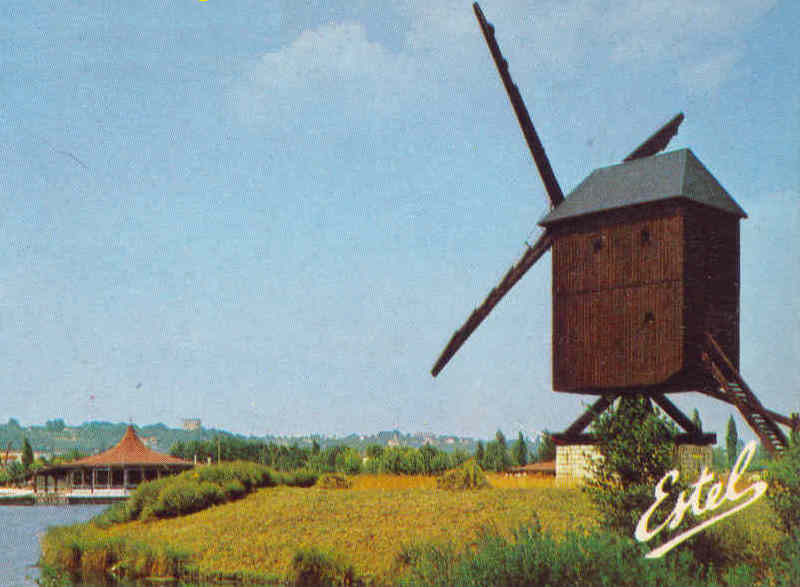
(731,442)
(520,451)
(480,454)
(636,450)
(783,489)
(497,457)
(696,419)
(56,425)
(547,448)
(27,453)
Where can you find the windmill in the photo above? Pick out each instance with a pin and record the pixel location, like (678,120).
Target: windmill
(645,261)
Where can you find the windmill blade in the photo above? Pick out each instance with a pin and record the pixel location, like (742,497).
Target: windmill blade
(534,144)
(531,255)
(658,141)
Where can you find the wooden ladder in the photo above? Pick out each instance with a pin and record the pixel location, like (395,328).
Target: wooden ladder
(734,390)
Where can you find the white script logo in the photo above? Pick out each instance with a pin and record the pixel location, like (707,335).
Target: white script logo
(714,499)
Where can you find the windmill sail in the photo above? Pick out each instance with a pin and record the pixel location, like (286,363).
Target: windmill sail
(531,137)
(555,195)
(531,255)
(658,141)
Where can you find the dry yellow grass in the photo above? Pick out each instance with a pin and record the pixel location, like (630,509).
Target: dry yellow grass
(393,482)
(369,525)
(509,481)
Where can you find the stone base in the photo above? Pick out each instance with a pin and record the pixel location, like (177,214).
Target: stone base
(573,461)
(690,460)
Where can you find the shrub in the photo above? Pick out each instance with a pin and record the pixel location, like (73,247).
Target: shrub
(186,496)
(311,567)
(334,481)
(233,489)
(636,450)
(116,514)
(534,558)
(467,476)
(145,495)
(783,492)
(787,565)
(300,478)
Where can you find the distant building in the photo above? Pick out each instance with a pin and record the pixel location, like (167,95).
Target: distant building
(190,424)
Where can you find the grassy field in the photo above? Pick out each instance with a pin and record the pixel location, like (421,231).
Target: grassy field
(369,524)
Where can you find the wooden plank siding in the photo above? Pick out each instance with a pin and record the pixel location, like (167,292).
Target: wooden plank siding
(618,300)
(711,277)
(634,290)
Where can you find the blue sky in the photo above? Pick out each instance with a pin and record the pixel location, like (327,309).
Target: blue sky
(273,215)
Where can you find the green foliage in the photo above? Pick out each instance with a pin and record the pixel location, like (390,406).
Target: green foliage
(27,453)
(334,481)
(519,451)
(312,567)
(696,419)
(81,555)
(480,452)
(547,448)
(786,566)
(186,496)
(56,425)
(636,450)
(731,442)
(535,558)
(298,478)
(468,476)
(783,492)
(406,460)
(348,461)
(497,457)
(198,489)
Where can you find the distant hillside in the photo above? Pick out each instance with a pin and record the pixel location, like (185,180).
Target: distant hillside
(55,437)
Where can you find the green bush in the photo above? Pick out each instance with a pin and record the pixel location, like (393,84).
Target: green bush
(534,558)
(783,491)
(181,493)
(233,489)
(251,475)
(311,567)
(334,481)
(300,478)
(116,514)
(468,476)
(145,495)
(186,496)
(636,450)
(786,567)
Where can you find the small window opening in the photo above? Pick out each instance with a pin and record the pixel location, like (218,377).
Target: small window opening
(644,236)
(649,319)
(597,243)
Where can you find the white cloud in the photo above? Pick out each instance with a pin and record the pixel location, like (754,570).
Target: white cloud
(322,70)
(337,67)
(708,74)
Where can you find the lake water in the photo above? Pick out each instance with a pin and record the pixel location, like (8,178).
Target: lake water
(20,529)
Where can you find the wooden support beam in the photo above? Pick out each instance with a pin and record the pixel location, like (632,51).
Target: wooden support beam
(597,408)
(674,412)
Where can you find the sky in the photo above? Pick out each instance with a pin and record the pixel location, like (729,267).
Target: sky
(273,215)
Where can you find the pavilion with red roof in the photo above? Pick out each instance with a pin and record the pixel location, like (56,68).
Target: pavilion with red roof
(122,467)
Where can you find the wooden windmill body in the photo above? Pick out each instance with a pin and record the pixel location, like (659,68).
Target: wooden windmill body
(645,282)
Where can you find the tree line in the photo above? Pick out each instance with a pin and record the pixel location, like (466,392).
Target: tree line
(495,455)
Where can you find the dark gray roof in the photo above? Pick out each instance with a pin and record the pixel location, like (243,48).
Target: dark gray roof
(677,174)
